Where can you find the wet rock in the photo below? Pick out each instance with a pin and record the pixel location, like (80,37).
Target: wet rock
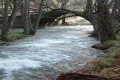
(117,56)
(101,46)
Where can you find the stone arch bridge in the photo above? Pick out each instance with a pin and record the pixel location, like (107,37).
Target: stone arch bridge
(56,15)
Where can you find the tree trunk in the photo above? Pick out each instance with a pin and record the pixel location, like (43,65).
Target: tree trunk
(91,17)
(14,13)
(63,21)
(28,29)
(105,26)
(24,11)
(4,30)
(63,6)
(39,16)
(94,22)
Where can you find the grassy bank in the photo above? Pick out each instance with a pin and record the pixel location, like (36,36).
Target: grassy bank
(105,67)
(109,64)
(15,36)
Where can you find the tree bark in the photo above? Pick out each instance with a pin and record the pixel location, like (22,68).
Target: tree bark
(39,16)
(28,28)
(101,19)
(4,30)
(105,26)
(14,13)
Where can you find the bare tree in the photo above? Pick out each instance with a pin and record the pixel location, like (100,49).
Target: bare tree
(39,15)
(4,30)
(101,18)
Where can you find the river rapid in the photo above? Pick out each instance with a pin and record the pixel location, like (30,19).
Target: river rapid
(52,51)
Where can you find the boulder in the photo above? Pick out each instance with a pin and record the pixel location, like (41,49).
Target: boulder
(101,46)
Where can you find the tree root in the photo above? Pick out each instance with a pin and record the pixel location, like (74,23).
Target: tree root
(77,76)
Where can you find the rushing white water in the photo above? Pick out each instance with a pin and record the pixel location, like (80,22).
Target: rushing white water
(52,51)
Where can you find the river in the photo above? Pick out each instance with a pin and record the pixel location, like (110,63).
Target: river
(51,51)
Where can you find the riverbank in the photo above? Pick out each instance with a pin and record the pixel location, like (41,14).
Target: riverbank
(106,67)
(14,36)
(109,64)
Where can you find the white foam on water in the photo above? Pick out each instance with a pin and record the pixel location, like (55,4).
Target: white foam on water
(29,60)
(34,61)
(57,41)
(13,64)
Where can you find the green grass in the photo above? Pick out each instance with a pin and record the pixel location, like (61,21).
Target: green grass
(105,74)
(117,50)
(112,42)
(15,36)
(108,43)
(105,62)
(118,37)
(110,61)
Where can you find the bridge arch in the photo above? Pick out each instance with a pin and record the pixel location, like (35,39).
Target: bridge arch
(56,15)
(76,20)
(102,28)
